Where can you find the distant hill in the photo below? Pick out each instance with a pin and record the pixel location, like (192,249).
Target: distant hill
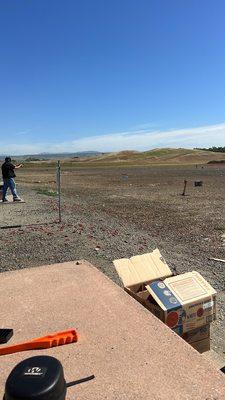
(159,156)
(55,156)
(79,154)
(214,149)
(130,157)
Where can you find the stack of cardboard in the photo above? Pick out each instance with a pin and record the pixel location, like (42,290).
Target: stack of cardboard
(186,302)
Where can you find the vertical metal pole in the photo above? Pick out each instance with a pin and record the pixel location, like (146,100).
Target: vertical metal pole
(59,189)
(185,185)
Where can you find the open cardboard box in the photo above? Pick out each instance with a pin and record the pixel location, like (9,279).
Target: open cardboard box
(184,302)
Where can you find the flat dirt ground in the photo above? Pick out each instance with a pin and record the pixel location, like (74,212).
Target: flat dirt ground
(114,212)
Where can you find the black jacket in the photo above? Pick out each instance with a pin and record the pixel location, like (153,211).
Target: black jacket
(8,170)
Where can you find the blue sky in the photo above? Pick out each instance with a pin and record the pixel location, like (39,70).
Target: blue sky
(111,75)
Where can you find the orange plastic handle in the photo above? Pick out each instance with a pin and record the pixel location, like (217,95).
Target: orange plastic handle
(45,342)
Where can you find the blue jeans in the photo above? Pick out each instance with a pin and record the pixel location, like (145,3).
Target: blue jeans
(9,183)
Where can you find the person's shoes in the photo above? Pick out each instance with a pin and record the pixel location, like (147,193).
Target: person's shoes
(17,199)
(5,200)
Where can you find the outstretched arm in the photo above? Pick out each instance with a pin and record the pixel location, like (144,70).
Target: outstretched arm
(18,166)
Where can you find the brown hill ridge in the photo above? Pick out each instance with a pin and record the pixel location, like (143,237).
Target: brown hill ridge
(159,156)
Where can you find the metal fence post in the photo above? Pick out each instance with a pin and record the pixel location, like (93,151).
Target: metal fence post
(59,189)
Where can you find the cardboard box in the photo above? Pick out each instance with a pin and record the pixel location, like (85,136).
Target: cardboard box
(197,334)
(199,338)
(184,302)
(187,300)
(138,271)
(202,345)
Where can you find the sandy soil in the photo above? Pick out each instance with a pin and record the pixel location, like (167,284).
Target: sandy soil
(116,212)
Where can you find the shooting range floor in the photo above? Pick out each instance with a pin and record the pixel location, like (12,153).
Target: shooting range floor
(10,201)
(131,353)
(105,217)
(31,210)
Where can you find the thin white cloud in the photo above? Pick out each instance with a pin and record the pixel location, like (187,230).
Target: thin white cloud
(23,133)
(204,136)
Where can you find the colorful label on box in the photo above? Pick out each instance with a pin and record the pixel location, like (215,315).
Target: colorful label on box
(183,318)
(166,297)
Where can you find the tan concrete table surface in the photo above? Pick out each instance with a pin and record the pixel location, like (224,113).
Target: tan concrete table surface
(132,354)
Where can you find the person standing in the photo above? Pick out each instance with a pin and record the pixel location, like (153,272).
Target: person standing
(8,175)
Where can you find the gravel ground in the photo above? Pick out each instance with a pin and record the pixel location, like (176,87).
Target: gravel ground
(111,213)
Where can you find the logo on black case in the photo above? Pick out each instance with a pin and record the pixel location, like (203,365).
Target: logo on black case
(35,371)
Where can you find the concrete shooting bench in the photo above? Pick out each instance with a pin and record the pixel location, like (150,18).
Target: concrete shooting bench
(132,354)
